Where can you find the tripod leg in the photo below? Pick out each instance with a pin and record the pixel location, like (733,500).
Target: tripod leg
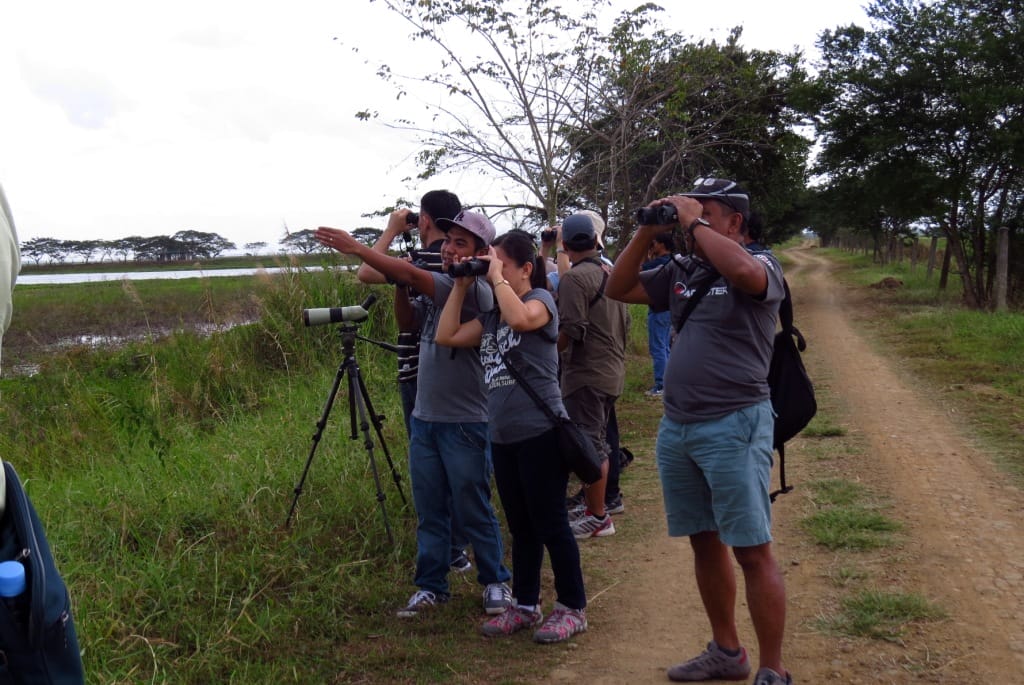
(375,418)
(356,399)
(316,440)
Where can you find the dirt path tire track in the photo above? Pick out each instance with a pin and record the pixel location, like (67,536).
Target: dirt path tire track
(963,546)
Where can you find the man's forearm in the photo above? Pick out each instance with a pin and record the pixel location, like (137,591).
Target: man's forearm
(366,273)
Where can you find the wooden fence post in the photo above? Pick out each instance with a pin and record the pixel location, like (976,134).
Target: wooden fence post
(932,252)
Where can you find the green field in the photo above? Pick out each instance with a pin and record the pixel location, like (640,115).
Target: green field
(164,468)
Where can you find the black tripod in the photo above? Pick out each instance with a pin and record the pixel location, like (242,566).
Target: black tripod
(358,400)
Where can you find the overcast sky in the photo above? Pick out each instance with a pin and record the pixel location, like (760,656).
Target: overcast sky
(139,118)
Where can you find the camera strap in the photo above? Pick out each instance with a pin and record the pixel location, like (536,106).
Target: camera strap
(700,290)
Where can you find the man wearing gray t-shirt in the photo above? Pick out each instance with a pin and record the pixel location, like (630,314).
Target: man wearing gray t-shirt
(448,459)
(714,447)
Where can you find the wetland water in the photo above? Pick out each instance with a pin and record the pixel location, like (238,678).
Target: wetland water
(56,279)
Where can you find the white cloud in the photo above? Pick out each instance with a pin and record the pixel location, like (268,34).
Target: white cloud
(130,118)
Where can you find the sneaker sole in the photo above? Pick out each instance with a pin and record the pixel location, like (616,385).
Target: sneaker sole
(615,510)
(545,640)
(603,533)
(495,611)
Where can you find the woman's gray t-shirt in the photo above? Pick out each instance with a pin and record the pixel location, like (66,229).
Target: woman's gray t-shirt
(513,414)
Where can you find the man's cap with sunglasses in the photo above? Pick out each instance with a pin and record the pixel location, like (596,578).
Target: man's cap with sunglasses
(723,190)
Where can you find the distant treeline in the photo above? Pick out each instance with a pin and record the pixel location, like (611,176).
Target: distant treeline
(181,247)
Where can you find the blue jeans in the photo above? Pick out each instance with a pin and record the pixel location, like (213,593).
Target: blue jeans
(659,336)
(532,482)
(407,391)
(449,462)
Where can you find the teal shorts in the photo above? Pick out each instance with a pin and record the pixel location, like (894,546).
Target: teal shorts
(716,475)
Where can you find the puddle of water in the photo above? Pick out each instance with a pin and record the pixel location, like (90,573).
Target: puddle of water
(97,341)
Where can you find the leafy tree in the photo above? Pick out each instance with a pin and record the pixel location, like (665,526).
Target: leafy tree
(38,249)
(667,111)
(303,241)
(574,117)
(923,116)
(506,100)
(200,245)
(83,248)
(367,236)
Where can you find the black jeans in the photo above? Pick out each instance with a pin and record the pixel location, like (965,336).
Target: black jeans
(531,483)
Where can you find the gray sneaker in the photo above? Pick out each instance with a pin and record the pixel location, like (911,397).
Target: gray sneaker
(512,620)
(497,598)
(561,624)
(712,664)
(421,600)
(767,676)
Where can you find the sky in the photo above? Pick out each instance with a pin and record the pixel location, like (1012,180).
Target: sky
(127,118)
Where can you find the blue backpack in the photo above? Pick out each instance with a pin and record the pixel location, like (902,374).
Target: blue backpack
(38,643)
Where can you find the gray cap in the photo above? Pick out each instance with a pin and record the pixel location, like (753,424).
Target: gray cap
(474,222)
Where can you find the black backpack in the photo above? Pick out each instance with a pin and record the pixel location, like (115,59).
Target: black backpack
(792,391)
(38,643)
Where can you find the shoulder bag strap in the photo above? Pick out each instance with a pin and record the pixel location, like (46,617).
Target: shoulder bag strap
(529,389)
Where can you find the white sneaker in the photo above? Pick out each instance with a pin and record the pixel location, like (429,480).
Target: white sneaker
(589,526)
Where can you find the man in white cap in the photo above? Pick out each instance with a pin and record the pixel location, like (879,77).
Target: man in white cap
(592,332)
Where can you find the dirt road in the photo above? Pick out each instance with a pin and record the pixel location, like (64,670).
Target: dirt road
(962,546)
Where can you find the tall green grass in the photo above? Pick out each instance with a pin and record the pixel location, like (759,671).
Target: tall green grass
(164,471)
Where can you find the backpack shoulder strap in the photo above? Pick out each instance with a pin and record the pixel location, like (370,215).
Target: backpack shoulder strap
(600,291)
(786,318)
(702,289)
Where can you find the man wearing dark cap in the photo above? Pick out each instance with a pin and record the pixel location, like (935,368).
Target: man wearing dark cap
(448,458)
(592,332)
(434,205)
(714,447)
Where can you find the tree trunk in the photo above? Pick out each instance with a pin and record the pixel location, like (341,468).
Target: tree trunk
(1002,267)
(954,245)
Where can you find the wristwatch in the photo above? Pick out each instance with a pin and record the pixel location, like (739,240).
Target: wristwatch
(699,221)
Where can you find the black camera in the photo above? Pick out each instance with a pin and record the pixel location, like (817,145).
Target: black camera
(662,215)
(412,219)
(548,235)
(473,267)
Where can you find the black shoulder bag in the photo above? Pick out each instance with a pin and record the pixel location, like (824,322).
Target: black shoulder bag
(577,449)
(38,643)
